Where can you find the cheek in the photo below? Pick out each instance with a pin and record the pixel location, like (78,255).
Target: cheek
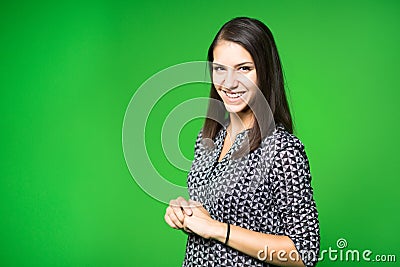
(219,92)
(253,77)
(249,81)
(253,85)
(217,79)
(251,95)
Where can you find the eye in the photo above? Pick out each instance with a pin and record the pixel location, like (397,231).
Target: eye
(245,68)
(219,68)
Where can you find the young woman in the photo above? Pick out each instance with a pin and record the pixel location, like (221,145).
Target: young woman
(251,201)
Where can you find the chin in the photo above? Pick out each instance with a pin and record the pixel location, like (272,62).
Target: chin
(235,108)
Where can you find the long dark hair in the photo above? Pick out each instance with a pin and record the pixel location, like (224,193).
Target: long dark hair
(257,39)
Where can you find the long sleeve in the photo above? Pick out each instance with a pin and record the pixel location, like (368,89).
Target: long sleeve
(294,197)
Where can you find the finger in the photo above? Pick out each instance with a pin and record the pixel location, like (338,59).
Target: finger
(175,220)
(185,225)
(185,206)
(176,209)
(187,230)
(169,222)
(199,209)
(195,204)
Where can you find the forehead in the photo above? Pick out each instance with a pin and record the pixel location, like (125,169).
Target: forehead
(230,53)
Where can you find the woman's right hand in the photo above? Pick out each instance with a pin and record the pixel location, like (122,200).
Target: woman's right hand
(176,211)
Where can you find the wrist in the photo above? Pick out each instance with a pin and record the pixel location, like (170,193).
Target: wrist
(219,232)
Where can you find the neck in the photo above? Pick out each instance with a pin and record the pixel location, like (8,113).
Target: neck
(240,122)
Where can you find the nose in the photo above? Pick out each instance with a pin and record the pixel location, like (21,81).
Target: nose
(230,81)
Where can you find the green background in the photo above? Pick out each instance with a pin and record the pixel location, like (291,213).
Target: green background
(69,70)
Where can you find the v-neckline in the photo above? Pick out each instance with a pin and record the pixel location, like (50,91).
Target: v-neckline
(225,133)
(219,158)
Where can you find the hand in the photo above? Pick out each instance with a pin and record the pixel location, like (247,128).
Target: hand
(176,211)
(201,223)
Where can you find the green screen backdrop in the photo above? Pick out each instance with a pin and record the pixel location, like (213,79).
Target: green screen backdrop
(70,68)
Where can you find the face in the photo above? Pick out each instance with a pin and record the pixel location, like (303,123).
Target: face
(234,75)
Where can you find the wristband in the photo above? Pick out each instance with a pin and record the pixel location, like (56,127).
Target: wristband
(228,231)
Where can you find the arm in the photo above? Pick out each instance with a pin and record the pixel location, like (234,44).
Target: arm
(278,250)
(271,248)
(298,244)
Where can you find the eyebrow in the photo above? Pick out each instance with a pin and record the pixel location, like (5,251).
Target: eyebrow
(237,65)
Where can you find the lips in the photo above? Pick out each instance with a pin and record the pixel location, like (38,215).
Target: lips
(233,95)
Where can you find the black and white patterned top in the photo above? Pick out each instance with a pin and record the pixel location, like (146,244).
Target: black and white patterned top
(268,190)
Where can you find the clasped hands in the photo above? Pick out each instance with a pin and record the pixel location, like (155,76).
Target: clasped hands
(191,217)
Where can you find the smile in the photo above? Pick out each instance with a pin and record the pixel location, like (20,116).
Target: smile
(233,95)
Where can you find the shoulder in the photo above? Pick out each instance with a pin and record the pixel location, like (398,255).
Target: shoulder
(282,142)
(208,143)
(286,160)
(282,139)
(199,136)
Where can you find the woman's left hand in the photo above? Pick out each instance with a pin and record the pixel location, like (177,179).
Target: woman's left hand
(201,223)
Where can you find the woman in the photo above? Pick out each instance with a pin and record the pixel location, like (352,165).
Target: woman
(251,201)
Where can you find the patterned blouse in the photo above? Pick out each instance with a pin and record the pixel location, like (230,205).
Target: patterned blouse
(268,190)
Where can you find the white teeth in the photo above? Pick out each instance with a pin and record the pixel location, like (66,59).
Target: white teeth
(234,95)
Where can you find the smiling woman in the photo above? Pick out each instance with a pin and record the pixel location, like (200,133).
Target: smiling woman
(225,80)
(254,208)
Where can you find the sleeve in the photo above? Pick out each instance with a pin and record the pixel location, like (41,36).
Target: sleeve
(296,205)
(193,173)
(197,145)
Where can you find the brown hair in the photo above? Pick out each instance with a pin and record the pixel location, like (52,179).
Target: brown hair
(257,39)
